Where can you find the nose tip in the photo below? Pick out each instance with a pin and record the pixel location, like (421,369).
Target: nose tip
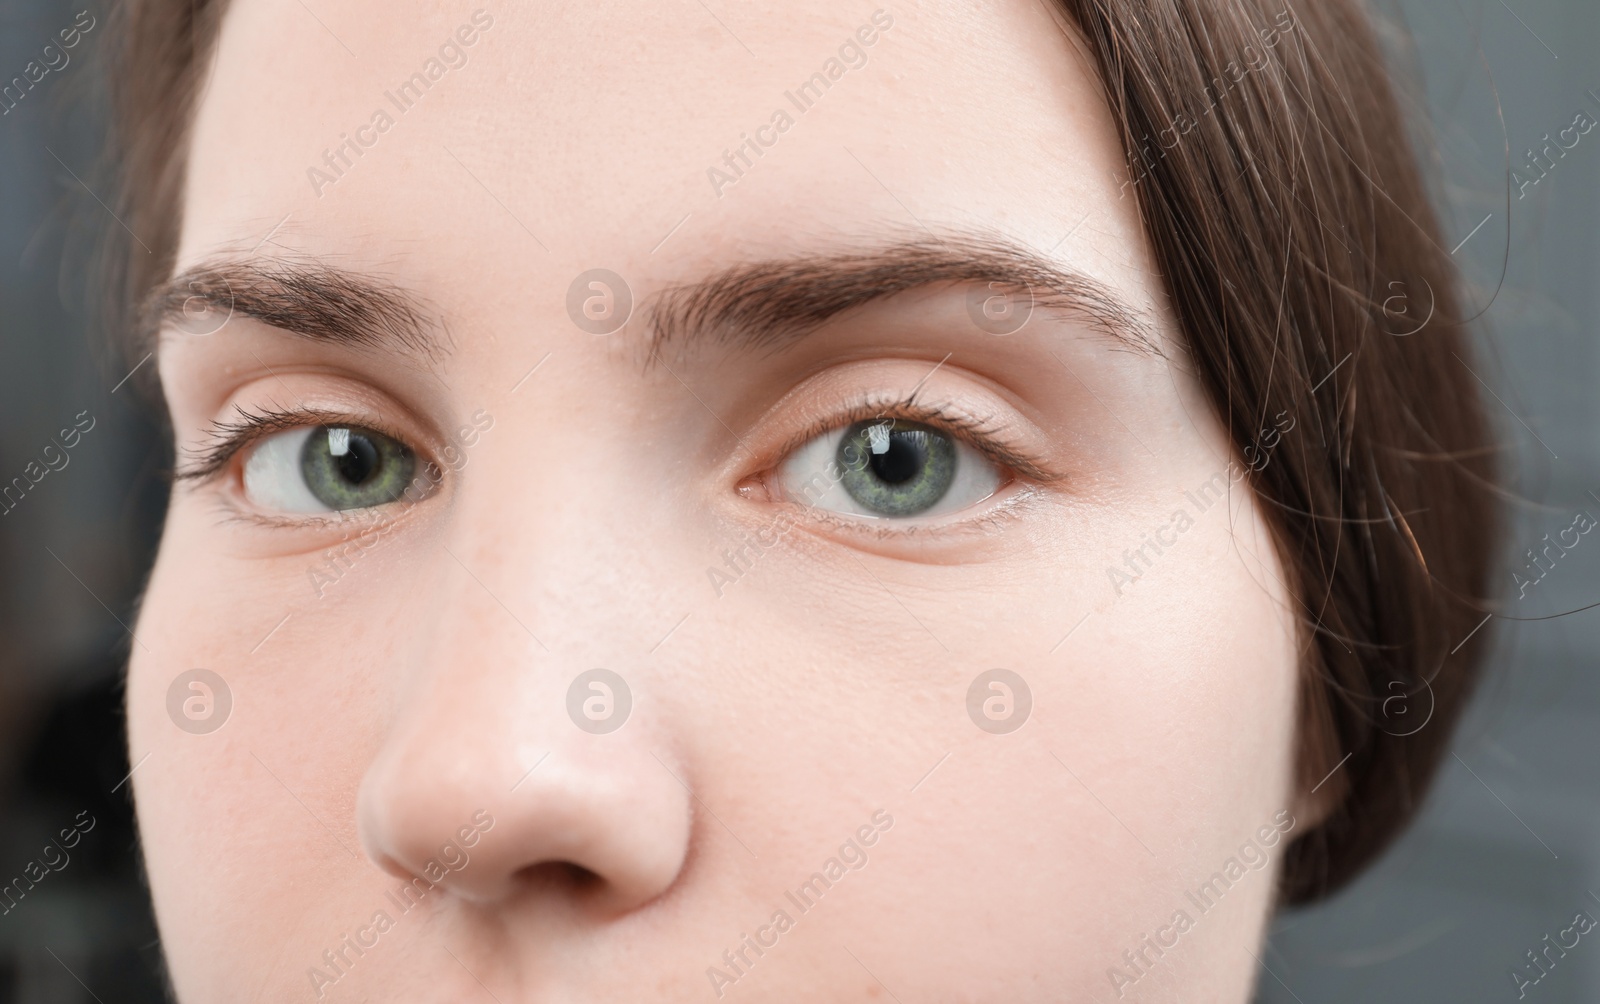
(599,822)
(506,777)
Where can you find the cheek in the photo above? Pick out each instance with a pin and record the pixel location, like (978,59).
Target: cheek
(1159,739)
(245,825)
(1171,712)
(1206,661)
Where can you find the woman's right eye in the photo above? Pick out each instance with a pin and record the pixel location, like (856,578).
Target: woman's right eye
(327,468)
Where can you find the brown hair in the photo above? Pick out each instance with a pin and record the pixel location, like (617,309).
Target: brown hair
(1286,211)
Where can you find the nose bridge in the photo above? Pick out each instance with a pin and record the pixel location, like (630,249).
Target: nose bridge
(521,595)
(558,522)
(479,673)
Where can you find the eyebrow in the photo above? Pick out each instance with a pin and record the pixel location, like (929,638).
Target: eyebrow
(766,305)
(759,305)
(304,296)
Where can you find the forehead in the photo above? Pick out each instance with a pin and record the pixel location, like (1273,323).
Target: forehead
(645,137)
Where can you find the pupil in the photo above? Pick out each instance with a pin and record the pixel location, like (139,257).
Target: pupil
(915,469)
(360,460)
(902,461)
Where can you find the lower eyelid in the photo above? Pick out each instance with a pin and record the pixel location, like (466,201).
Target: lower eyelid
(1011,501)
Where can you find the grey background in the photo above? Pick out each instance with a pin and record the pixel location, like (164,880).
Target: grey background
(1506,851)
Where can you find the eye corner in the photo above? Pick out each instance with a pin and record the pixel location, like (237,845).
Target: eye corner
(757,487)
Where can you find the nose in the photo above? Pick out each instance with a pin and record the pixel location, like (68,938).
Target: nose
(498,780)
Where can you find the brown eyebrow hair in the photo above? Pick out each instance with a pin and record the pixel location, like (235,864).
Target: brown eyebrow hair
(760,305)
(767,304)
(304,296)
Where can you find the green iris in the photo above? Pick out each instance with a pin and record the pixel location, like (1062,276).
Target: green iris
(352,468)
(896,468)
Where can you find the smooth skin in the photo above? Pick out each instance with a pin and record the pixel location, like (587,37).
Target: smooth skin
(379,716)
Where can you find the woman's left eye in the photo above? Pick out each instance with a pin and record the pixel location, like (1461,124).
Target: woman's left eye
(327,468)
(888,469)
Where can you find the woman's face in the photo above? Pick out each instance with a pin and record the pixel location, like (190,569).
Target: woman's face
(694,501)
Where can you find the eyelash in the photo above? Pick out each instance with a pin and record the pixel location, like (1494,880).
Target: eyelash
(232,438)
(229,439)
(977,433)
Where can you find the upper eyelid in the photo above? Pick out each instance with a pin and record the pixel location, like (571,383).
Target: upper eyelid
(229,439)
(975,432)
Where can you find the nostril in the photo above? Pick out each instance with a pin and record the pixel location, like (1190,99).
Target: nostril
(565,877)
(605,834)
(579,875)
(390,864)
